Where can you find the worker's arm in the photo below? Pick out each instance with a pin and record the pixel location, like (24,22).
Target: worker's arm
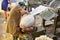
(20,9)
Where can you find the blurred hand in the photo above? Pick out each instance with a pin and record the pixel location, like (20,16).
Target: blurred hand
(22,11)
(22,27)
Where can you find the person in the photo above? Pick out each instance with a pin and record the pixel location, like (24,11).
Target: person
(4,7)
(14,20)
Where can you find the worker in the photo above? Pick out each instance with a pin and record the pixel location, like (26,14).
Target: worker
(14,20)
(5,6)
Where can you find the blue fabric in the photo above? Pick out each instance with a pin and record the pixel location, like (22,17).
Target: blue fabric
(4,4)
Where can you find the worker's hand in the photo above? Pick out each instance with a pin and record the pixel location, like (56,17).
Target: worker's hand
(22,27)
(29,29)
(22,11)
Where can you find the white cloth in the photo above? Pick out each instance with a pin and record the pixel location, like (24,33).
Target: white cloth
(27,21)
(43,37)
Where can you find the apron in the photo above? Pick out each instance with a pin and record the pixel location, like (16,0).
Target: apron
(4,5)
